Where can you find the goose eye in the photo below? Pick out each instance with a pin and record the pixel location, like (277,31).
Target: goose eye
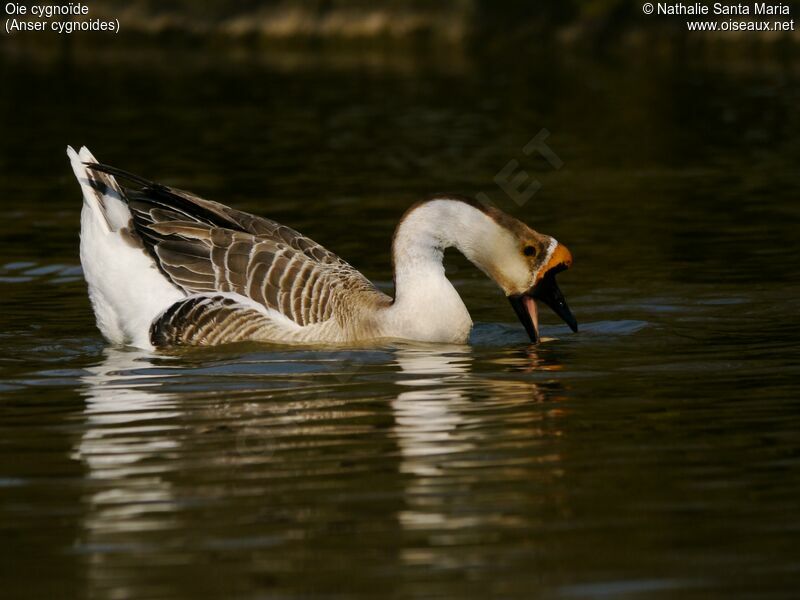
(529,251)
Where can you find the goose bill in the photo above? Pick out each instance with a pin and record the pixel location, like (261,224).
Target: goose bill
(546,290)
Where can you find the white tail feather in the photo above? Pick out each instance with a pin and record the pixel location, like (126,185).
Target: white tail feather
(125,286)
(100,191)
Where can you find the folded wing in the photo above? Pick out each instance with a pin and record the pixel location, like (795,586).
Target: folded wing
(205,247)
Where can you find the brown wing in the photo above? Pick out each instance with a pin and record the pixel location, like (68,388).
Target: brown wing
(204,246)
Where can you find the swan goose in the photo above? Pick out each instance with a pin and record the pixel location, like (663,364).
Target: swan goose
(166,268)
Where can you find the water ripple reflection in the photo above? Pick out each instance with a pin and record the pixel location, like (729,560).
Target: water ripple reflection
(282,432)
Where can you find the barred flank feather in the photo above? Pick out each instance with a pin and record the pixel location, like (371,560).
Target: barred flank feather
(208,321)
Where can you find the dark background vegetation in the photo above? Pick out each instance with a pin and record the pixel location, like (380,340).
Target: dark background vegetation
(448,21)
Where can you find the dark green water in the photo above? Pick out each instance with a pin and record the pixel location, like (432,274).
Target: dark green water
(656,454)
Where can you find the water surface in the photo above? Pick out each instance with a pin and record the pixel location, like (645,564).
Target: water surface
(654,454)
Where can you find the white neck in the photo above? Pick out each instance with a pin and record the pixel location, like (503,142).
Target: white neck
(427,307)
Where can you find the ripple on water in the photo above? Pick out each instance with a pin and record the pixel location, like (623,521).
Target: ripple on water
(502,334)
(25,272)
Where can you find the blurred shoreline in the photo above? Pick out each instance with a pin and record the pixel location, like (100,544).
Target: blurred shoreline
(399,25)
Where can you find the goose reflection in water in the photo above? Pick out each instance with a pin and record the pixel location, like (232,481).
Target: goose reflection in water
(447,420)
(128,424)
(276,445)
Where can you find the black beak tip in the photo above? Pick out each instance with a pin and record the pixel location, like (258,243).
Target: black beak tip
(572,322)
(548,292)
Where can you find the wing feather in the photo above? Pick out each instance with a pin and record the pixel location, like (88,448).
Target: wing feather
(204,247)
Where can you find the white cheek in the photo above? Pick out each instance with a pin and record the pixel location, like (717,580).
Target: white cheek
(513,269)
(520,274)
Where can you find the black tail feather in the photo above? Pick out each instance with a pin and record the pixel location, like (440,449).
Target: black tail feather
(108,169)
(156,194)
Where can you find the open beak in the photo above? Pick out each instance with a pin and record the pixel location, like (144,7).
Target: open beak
(545,290)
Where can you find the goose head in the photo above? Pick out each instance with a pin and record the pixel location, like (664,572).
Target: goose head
(524,263)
